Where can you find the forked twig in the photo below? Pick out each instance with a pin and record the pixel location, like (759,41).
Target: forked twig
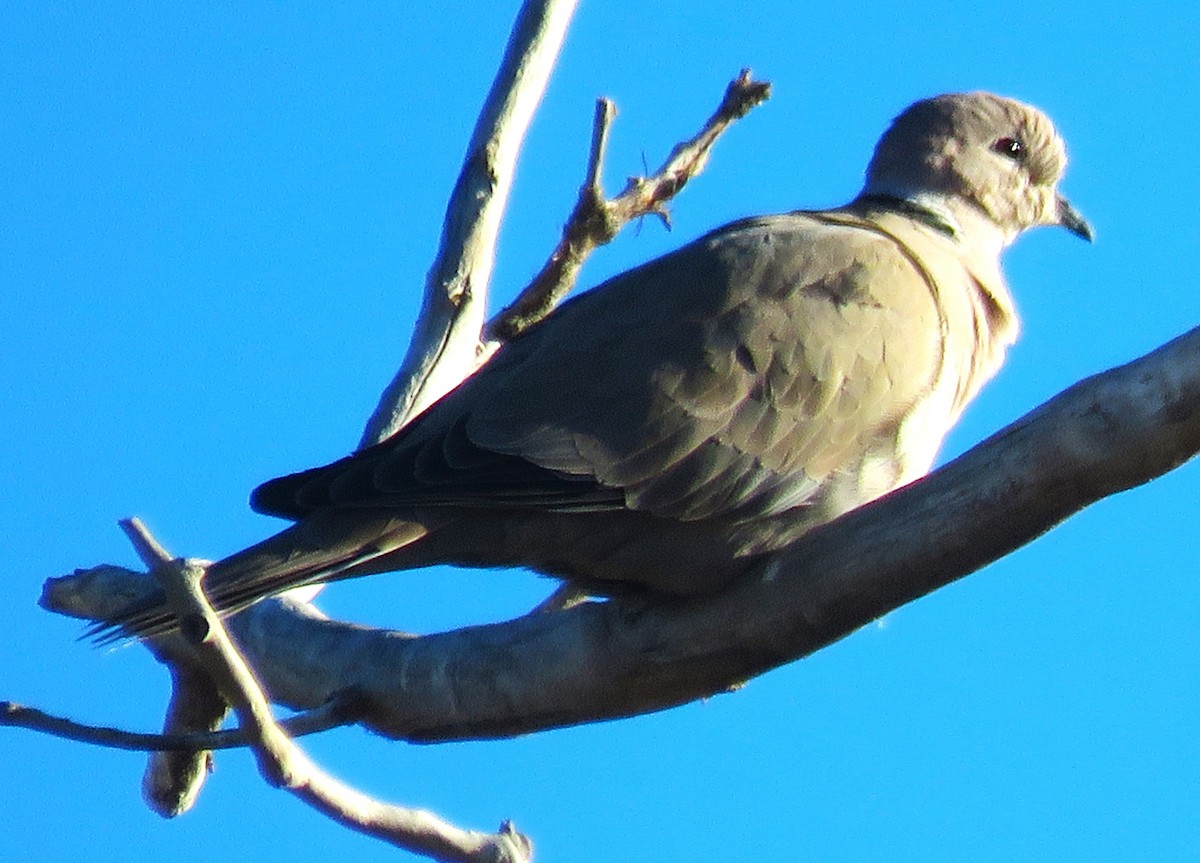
(595,220)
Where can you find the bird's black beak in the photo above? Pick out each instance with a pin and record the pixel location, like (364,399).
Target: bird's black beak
(1073,220)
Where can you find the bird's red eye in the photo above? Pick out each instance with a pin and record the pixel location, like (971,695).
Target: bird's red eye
(1010,147)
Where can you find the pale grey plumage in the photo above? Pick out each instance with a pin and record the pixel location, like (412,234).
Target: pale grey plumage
(668,427)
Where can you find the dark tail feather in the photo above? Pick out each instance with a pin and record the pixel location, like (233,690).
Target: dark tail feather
(324,547)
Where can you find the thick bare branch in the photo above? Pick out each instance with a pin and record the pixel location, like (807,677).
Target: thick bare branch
(445,344)
(604,660)
(595,220)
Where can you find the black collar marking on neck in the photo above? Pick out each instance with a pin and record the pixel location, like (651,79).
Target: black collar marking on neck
(913,210)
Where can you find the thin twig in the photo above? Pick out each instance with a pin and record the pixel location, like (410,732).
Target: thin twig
(334,714)
(594,220)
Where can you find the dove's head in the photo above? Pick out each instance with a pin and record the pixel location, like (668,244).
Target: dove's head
(975,154)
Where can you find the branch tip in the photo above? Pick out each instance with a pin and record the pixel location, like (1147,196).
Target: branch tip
(606,111)
(743,95)
(148,549)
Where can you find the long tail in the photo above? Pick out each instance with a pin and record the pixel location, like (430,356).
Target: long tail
(325,546)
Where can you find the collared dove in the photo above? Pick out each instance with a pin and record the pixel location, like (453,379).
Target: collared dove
(670,427)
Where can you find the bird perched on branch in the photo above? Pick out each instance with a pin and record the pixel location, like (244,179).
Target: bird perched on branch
(670,427)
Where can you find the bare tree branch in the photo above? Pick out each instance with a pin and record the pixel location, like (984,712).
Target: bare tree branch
(595,221)
(284,765)
(450,342)
(605,660)
(344,709)
(445,345)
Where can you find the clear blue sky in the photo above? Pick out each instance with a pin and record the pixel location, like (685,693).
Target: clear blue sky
(214,222)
